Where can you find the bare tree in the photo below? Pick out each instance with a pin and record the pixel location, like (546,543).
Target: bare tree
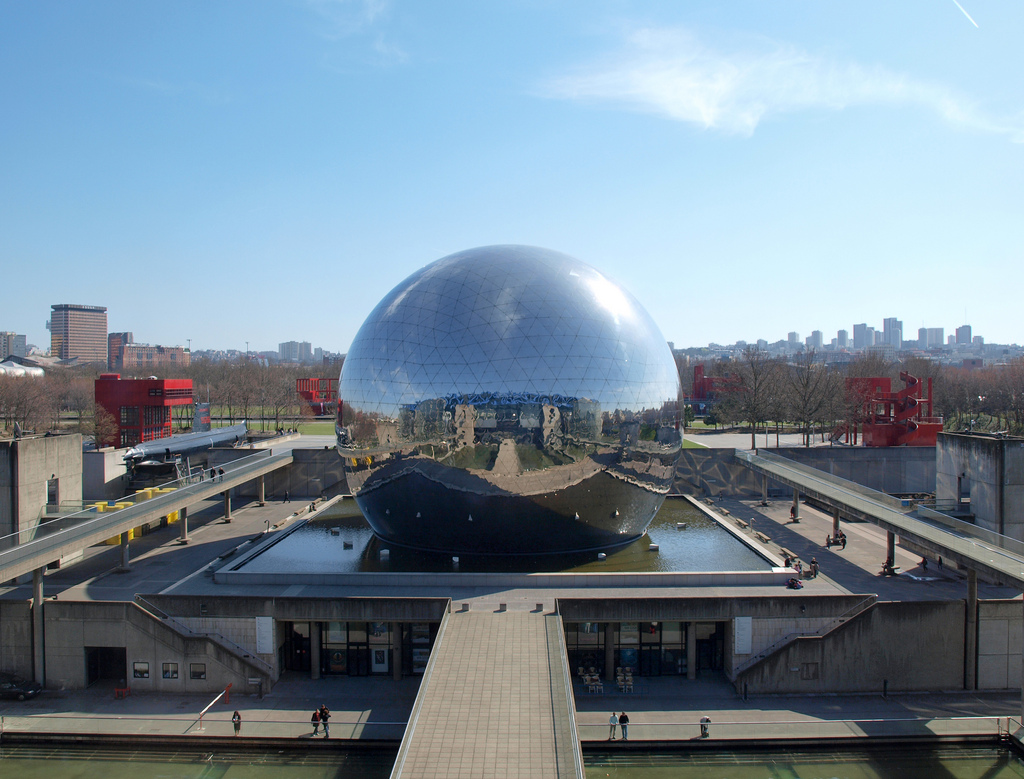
(757,377)
(808,384)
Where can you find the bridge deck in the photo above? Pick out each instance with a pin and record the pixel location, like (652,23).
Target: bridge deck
(496,701)
(83,530)
(859,502)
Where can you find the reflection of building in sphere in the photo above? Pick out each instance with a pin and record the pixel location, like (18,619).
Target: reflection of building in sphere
(508,399)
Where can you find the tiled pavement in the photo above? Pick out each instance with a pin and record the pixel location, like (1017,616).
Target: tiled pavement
(494,702)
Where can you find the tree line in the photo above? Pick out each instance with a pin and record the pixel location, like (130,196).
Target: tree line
(764,392)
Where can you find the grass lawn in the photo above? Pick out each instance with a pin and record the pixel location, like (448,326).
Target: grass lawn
(690,444)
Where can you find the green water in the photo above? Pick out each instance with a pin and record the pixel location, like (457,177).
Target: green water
(903,762)
(126,762)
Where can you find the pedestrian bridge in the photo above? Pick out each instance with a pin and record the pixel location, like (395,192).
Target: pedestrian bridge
(35,548)
(996,557)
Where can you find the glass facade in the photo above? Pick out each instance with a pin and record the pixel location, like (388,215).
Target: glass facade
(509,399)
(358,648)
(646,648)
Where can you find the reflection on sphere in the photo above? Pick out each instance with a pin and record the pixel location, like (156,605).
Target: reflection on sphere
(509,399)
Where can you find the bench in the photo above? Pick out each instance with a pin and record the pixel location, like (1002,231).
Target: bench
(762,537)
(122,692)
(741,523)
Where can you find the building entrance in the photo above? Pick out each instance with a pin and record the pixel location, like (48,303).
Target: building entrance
(105,663)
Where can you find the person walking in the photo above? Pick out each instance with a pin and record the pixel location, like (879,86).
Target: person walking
(236,720)
(705,726)
(612,722)
(624,726)
(325,716)
(315,720)
(814,568)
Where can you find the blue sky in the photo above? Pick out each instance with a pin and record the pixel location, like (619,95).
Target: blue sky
(267,171)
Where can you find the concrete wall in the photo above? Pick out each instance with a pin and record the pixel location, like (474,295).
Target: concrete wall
(16,638)
(914,646)
(72,626)
(999,645)
(713,472)
(26,464)
(313,473)
(895,469)
(104,474)
(994,468)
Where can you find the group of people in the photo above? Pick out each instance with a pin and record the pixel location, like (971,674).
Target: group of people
(839,539)
(321,716)
(622,720)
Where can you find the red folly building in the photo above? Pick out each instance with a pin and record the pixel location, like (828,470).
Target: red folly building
(140,407)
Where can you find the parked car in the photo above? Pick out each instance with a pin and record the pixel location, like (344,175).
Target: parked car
(12,686)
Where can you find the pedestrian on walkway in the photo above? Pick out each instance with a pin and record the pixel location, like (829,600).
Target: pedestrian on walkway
(842,539)
(624,725)
(705,726)
(220,473)
(325,716)
(236,720)
(924,563)
(315,720)
(612,722)
(286,498)
(814,568)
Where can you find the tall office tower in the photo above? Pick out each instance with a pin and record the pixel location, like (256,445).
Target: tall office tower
(305,352)
(814,340)
(871,337)
(922,338)
(860,337)
(843,339)
(12,344)
(936,337)
(288,351)
(963,334)
(892,332)
(78,331)
(794,338)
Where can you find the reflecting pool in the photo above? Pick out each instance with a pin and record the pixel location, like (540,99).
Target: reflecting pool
(342,542)
(60,761)
(894,762)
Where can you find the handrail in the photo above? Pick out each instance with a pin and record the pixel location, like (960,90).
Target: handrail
(833,624)
(563,655)
(245,655)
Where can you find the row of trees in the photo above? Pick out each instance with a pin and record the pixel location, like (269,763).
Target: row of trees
(765,390)
(64,399)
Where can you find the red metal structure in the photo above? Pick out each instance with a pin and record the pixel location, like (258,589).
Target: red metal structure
(321,395)
(140,407)
(888,418)
(705,388)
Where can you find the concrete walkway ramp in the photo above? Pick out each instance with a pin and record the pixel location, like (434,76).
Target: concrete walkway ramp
(495,702)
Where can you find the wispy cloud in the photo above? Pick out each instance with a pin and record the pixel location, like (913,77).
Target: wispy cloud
(343,19)
(671,73)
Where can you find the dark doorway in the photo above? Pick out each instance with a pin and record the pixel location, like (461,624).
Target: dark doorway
(105,663)
(296,647)
(358,660)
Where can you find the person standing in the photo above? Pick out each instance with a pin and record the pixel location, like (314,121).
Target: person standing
(814,568)
(624,726)
(236,720)
(705,726)
(325,716)
(315,720)
(612,722)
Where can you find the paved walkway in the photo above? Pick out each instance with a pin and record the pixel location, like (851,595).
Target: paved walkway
(495,702)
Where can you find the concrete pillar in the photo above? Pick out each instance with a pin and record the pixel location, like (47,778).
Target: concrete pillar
(796,505)
(764,489)
(38,655)
(890,546)
(396,651)
(227,505)
(609,651)
(315,637)
(835,522)
(124,552)
(183,522)
(691,650)
(261,490)
(971,637)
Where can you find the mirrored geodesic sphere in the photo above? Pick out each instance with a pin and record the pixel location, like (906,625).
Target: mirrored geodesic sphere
(509,399)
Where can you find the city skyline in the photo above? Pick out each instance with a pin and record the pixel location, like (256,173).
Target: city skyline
(731,166)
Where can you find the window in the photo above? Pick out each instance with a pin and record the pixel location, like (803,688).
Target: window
(170,671)
(197,670)
(140,670)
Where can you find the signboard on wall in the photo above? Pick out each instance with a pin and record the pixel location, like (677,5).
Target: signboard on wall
(743,630)
(264,635)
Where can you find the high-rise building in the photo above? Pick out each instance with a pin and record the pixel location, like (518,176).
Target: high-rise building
(115,349)
(892,332)
(936,337)
(843,339)
(793,338)
(78,331)
(814,340)
(12,344)
(963,334)
(295,351)
(860,337)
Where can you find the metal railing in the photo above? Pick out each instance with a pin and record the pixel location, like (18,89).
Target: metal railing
(640,730)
